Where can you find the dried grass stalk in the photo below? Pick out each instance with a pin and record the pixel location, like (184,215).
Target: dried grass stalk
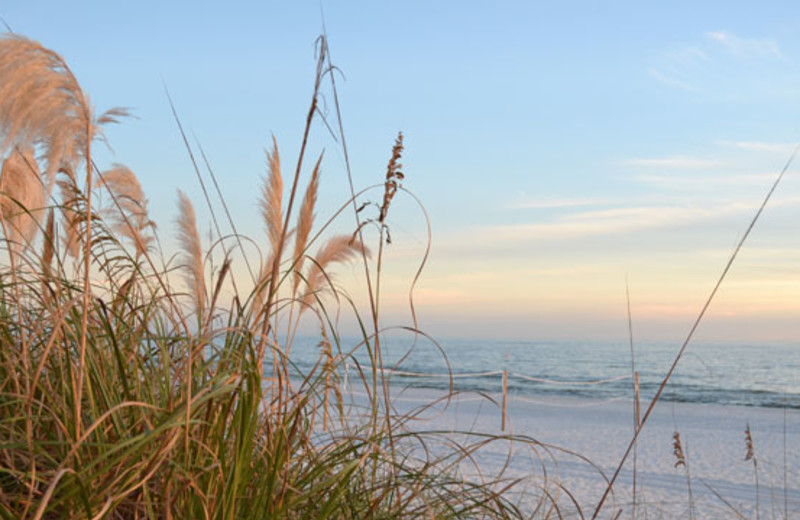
(71,215)
(48,249)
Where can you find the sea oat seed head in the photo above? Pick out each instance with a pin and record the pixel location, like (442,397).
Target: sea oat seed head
(748,441)
(677,450)
(393,176)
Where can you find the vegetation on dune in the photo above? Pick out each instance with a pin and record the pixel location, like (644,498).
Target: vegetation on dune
(128,388)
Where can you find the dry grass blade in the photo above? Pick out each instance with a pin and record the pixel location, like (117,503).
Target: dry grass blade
(48,249)
(22,197)
(192,251)
(71,215)
(723,500)
(223,272)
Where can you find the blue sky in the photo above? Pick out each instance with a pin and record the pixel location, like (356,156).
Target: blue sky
(558,147)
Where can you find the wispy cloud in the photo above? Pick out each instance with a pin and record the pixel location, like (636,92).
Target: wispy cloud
(706,181)
(612,221)
(719,63)
(441,295)
(672,81)
(692,57)
(761,146)
(525,202)
(746,48)
(677,162)
(676,66)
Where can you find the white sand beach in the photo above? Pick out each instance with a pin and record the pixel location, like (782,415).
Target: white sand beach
(712,437)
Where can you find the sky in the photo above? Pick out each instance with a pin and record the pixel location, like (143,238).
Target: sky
(562,150)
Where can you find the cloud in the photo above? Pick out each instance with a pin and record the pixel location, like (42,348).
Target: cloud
(672,82)
(707,181)
(439,296)
(613,221)
(721,64)
(689,57)
(676,65)
(530,203)
(746,48)
(677,162)
(760,146)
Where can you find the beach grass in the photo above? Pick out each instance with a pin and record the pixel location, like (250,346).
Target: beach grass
(135,385)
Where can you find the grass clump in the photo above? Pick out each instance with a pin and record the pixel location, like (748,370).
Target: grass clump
(126,394)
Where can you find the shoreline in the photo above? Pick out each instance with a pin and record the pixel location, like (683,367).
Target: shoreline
(712,437)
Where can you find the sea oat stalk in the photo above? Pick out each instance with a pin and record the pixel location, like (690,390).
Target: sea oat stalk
(750,454)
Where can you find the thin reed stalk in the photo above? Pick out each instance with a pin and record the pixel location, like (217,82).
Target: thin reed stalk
(635,383)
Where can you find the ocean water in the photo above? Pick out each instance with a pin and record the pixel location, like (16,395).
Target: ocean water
(732,374)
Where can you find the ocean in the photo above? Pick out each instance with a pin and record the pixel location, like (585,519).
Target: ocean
(729,374)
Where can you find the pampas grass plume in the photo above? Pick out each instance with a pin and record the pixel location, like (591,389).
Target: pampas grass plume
(130,218)
(22,197)
(42,105)
(271,197)
(189,240)
(337,249)
(305,221)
